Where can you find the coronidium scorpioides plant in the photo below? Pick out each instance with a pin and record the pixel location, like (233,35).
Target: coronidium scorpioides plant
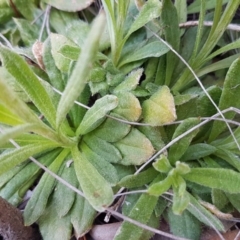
(117,110)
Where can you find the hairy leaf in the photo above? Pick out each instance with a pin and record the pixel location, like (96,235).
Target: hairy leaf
(141,211)
(12,158)
(203,215)
(130,82)
(169,18)
(159,108)
(223,179)
(96,189)
(150,10)
(108,127)
(57,42)
(41,194)
(97,114)
(105,168)
(185,225)
(19,69)
(50,220)
(16,187)
(71,5)
(158,188)
(128,106)
(198,151)
(80,74)
(103,148)
(63,207)
(8,118)
(231,88)
(179,148)
(82,216)
(135,148)
(139,180)
(153,49)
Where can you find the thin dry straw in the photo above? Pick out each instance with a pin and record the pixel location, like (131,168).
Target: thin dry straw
(233,27)
(45,20)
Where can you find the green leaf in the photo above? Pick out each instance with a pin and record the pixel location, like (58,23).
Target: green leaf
(130,82)
(106,129)
(159,108)
(128,107)
(223,179)
(8,118)
(82,216)
(180,147)
(54,74)
(169,17)
(157,189)
(111,23)
(96,189)
(150,10)
(222,64)
(180,201)
(77,113)
(26,8)
(203,215)
(13,132)
(135,148)
(12,158)
(234,200)
(70,6)
(70,25)
(219,30)
(139,180)
(181,7)
(29,32)
(195,6)
(41,194)
(103,148)
(231,89)
(198,151)
(152,49)
(17,106)
(71,52)
(228,47)
(8,175)
(162,164)
(205,107)
(50,220)
(80,74)
(181,169)
(104,167)
(19,69)
(5,12)
(57,43)
(15,189)
(229,157)
(185,225)
(63,207)
(219,198)
(97,114)
(141,211)
(154,135)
